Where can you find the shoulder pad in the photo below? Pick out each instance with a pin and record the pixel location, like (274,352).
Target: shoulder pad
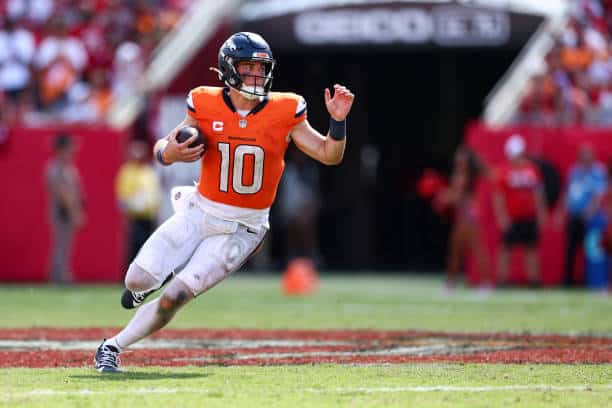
(197,94)
(295,101)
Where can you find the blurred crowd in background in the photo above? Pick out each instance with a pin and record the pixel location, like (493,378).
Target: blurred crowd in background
(527,196)
(576,84)
(64,60)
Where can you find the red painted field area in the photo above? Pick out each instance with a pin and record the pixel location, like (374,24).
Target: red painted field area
(75,347)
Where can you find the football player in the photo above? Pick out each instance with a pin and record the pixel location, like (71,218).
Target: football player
(220,224)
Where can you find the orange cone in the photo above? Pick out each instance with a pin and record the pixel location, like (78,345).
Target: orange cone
(300,277)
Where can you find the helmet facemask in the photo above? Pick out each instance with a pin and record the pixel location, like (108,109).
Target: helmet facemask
(233,79)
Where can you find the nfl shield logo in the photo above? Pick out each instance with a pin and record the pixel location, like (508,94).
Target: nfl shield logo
(242,123)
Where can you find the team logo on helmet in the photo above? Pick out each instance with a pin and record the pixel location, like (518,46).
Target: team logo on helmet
(240,47)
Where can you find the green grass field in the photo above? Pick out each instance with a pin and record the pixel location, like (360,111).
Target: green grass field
(369,302)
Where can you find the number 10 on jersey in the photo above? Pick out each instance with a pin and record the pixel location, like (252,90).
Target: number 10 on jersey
(238,165)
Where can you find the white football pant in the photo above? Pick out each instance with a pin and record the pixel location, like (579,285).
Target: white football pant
(207,248)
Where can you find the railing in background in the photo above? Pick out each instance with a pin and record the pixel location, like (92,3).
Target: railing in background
(502,102)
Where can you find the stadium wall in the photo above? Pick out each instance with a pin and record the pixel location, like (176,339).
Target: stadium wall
(557,146)
(25,239)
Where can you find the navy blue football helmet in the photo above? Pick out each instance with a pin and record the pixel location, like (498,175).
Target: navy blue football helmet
(245,46)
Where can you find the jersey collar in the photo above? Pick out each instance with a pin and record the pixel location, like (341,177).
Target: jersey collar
(230,105)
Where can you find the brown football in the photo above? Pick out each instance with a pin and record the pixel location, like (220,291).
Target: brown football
(186,132)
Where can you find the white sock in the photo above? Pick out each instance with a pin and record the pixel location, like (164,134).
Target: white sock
(143,323)
(113,342)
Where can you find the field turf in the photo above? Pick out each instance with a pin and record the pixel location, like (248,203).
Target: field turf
(362,302)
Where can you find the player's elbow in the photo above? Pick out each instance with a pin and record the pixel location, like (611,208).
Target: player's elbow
(334,161)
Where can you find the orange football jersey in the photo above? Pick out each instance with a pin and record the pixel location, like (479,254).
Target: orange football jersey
(245,156)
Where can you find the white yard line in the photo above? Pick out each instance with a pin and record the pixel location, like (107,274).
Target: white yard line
(419,351)
(163,344)
(452,388)
(136,391)
(365,390)
(442,347)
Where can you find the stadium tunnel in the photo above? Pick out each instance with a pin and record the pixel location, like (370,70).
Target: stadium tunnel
(416,89)
(409,114)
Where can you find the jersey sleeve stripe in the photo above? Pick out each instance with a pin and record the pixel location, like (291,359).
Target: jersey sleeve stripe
(190,103)
(301,107)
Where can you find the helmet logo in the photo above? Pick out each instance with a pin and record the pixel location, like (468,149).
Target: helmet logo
(246,47)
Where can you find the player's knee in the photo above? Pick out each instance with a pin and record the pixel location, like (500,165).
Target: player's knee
(169,305)
(137,279)
(173,298)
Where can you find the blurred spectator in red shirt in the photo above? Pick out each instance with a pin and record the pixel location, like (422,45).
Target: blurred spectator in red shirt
(539,105)
(519,206)
(94,34)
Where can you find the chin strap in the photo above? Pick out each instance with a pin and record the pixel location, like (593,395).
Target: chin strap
(249,95)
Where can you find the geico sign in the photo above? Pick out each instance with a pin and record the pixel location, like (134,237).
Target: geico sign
(443,25)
